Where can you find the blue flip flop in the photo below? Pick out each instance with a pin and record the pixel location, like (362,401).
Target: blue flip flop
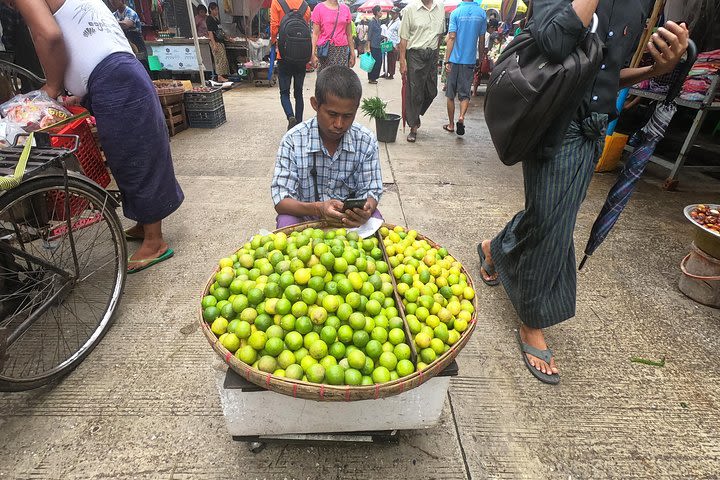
(544,355)
(150,262)
(489,269)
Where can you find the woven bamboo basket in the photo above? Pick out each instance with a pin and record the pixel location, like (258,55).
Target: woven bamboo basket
(346,393)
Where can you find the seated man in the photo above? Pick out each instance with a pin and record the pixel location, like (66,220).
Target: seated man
(328,159)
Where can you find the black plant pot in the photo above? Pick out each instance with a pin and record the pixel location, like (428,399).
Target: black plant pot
(387,128)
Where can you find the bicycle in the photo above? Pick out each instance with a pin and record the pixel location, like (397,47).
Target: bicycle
(63,263)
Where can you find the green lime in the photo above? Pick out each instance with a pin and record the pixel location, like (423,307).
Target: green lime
(335,375)
(328,361)
(353,377)
(263,322)
(381,375)
(315,373)
(367,380)
(317,284)
(299,309)
(246,354)
(208,301)
(294,340)
(327,259)
(211,313)
(294,371)
(332,288)
(317,314)
(428,355)
(301,353)
(257,340)
(283,306)
(373,349)
(285,358)
(255,296)
(310,338)
(243,329)
(318,349)
(333,321)
(344,311)
(309,296)
(404,368)
(356,359)
(275,331)
(328,334)
(345,333)
(382,321)
(233,325)
(306,362)
(274,346)
(303,325)
(231,342)
(373,307)
(396,336)
(240,303)
(387,360)
(287,322)
(286,279)
(369,366)
(219,326)
(402,351)
(357,321)
(353,299)
(379,334)
(337,350)
(360,338)
(227,311)
(267,364)
(273,290)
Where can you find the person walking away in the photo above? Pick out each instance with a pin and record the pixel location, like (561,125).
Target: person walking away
(485,66)
(362,31)
(328,159)
(98,67)
(217,37)
(421,30)
(132,27)
(201,21)
(375,39)
(332,35)
(393,31)
(534,256)
(293,33)
(466,37)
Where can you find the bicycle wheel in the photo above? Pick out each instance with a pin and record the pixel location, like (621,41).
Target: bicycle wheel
(59,286)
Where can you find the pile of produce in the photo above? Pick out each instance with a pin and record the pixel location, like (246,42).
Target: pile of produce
(320,306)
(707,217)
(435,293)
(165,87)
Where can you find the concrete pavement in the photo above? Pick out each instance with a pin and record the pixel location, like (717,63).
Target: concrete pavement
(144,404)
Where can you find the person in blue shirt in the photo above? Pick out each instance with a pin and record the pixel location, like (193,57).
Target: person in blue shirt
(466,37)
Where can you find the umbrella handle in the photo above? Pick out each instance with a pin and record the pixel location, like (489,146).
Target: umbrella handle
(683,267)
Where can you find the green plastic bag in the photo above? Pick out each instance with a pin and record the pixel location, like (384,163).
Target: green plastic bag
(367,62)
(386,47)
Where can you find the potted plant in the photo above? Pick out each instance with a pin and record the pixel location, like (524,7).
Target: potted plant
(386,124)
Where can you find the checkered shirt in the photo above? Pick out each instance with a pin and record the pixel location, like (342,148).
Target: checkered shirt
(353,171)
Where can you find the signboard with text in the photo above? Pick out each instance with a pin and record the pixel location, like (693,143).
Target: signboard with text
(176,57)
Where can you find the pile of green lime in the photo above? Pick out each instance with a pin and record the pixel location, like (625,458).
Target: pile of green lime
(314,305)
(436,297)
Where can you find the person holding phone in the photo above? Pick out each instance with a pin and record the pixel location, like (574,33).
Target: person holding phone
(328,167)
(534,255)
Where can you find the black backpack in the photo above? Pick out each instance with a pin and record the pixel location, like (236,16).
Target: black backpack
(294,36)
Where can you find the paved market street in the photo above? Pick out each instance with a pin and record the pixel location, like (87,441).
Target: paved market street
(145,403)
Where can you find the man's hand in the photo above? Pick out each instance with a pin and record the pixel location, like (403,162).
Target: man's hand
(403,67)
(358,216)
(53,92)
(667,47)
(448,66)
(314,61)
(351,63)
(331,211)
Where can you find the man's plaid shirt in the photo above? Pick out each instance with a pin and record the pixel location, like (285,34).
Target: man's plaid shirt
(353,171)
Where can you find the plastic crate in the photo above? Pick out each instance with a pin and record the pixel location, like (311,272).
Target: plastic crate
(202,119)
(204,101)
(89,157)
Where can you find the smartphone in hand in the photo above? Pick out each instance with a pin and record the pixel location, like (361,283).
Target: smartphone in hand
(351,203)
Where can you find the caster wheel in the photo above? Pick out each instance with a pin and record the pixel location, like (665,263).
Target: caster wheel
(256,447)
(670,185)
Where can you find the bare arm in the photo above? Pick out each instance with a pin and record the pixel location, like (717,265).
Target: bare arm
(329,210)
(673,41)
(585,10)
(359,216)
(449,48)
(315,36)
(481,47)
(49,44)
(348,32)
(402,48)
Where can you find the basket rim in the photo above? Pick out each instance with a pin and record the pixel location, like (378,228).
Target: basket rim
(326,392)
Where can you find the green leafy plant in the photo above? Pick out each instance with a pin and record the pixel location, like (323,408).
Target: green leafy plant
(374,107)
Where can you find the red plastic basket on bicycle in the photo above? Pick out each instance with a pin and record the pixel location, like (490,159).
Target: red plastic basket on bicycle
(88,155)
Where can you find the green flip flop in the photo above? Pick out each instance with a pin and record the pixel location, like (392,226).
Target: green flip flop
(150,262)
(544,355)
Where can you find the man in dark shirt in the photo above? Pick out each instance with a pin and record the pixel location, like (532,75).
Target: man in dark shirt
(534,255)
(375,39)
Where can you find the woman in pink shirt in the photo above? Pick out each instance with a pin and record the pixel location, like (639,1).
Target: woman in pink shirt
(332,35)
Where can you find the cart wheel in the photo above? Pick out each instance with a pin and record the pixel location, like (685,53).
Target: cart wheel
(60,285)
(256,447)
(670,185)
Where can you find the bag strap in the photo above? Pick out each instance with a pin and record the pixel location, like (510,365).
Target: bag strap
(332,35)
(313,172)
(286,8)
(303,8)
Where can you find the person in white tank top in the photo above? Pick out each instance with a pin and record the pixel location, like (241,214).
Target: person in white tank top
(78,41)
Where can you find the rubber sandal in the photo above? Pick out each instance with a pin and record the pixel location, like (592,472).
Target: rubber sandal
(544,355)
(150,262)
(460,128)
(448,129)
(489,269)
(129,237)
(412,136)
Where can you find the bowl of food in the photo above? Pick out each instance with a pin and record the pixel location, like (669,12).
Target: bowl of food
(706,220)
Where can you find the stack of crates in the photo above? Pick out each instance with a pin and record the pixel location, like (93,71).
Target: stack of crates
(205,109)
(174,111)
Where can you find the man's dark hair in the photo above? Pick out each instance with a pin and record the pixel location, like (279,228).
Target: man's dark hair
(338,81)
(202,9)
(212,5)
(376,9)
(493,23)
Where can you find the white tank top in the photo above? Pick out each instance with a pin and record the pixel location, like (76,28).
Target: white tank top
(91,33)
